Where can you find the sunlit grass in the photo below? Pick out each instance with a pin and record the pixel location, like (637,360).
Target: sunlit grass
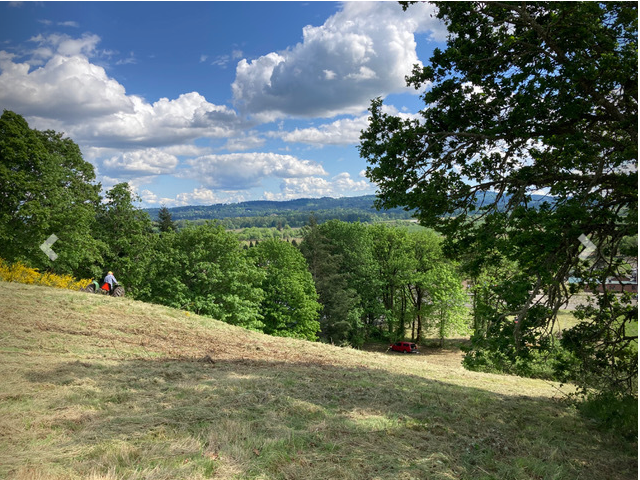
(106,388)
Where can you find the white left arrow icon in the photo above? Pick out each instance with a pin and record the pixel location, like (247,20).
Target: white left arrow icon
(46,247)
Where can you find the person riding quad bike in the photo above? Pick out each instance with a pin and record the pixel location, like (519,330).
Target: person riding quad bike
(109,282)
(109,286)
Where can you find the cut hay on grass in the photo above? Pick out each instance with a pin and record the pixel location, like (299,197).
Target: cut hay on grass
(109,389)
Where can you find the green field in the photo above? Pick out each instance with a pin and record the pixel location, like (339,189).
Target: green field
(104,388)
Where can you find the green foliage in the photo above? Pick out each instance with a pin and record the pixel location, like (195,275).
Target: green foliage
(610,356)
(255,233)
(525,98)
(495,355)
(629,246)
(380,281)
(336,254)
(127,235)
(613,412)
(203,269)
(395,264)
(289,307)
(45,188)
(447,300)
(294,213)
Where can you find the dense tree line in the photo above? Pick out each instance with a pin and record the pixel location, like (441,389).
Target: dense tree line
(292,219)
(378,281)
(295,213)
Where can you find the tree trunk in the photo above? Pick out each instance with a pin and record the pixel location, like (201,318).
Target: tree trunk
(419,314)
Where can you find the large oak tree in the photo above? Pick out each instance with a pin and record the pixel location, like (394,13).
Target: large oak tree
(527,98)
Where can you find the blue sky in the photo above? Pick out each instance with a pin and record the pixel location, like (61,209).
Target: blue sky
(214,102)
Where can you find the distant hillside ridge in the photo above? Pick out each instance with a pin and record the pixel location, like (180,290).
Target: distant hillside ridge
(297,211)
(343,208)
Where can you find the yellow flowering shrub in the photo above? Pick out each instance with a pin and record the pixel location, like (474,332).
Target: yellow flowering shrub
(20,273)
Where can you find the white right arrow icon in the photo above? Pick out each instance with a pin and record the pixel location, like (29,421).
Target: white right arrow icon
(589,247)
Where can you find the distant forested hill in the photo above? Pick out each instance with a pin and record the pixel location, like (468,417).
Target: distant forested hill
(295,213)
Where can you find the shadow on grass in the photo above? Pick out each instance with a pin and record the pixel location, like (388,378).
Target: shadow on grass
(272,419)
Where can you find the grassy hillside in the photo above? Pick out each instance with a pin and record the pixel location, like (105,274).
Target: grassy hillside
(103,388)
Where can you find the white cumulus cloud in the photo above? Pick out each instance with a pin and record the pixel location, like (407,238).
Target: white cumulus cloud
(345,131)
(150,161)
(165,122)
(241,171)
(198,196)
(63,44)
(312,187)
(204,196)
(249,141)
(70,93)
(65,88)
(361,52)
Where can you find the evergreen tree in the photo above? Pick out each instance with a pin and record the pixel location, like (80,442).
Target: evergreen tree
(165,222)
(339,318)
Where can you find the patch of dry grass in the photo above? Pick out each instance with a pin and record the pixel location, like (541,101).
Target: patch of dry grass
(108,389)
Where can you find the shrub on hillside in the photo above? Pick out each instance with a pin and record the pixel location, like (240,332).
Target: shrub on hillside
(20,273)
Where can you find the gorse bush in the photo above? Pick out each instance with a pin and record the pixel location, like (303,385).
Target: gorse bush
(20,273)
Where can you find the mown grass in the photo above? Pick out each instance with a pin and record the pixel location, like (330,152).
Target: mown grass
(105,388)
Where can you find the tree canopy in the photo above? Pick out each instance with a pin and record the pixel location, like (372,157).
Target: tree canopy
(289,307)
(526,98)
(45,188)
(125,232)
(203,269)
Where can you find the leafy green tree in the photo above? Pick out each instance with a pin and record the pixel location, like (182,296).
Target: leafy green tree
(326,248)
(165,221)
(45,188)
(427,252)
(629,246)
(611,341)
(527,97)
(203,269)
(289,307)
(446,310)
(391,250)
(435,289)
(127,233)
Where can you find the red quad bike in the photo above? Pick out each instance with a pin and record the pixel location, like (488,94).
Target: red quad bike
(404,347)
(95,287)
